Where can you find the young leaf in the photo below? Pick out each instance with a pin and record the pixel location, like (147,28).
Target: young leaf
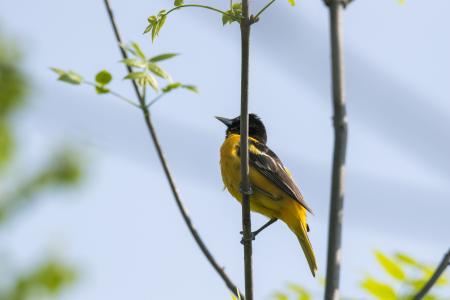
(379,290)
(103,77)
(302,294)
(138,50)
(151,81)
(292,2)
(390,266)
(58,71)
(101,90)
(155,69)
(128,49)
(135,75)
(191,88)
(161,57)
(171,87)
(406,259)
(280,296)
(178,2)
(131,62)
(71,77)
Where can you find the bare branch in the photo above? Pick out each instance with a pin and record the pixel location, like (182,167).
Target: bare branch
(245,180)
(439,270)
(340,144)
(148,121)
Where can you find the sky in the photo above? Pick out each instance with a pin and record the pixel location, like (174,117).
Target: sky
(122,228)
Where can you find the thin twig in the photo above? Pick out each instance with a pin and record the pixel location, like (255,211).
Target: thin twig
(148,121)
(245,180)
(340,145)
(256,17)
(121,97)
(202,6)
(156,99)
(439,270)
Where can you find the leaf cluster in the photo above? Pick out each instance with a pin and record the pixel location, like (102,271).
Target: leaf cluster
(234,14)
(156,22)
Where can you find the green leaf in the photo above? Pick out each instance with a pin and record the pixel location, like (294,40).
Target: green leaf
(103,77)
(131,62)
(280,296)
(178,2)
(101,90)
(138,50)
(135,75)
(226,20)
(127,48)
(379,290)
(171,87)
(301,293)
(191,88)
(6,144)
(71,77)
(150,80)
(390,266)
(58,71)
(161,57)
(402,257)
(155,69)
(292,2)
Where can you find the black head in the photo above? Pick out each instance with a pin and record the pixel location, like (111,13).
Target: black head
(256,127)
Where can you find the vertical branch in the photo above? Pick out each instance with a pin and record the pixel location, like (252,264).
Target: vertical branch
(340,144)
(148,121)
(439,270)
(245,181)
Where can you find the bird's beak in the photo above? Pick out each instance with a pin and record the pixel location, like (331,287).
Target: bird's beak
(225,121)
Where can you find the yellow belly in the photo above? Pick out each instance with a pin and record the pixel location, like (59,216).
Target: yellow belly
(267,198)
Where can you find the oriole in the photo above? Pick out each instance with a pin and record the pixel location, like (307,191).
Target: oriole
(275,194)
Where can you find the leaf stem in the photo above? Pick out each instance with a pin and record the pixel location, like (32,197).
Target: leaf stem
(156,99)
(202,6)
(263,9)
(121,97)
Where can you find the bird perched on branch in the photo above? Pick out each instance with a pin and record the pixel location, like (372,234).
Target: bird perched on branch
(275,194)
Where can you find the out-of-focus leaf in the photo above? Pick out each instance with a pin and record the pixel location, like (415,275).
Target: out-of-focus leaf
(71,77)
(128,49)
(291,2)
(58,71)
(138,50)
(171,87)
(101,90)
(379,290)
(406,259)
(191,88)
(155,69)
(131,62)
(300,292)
(161,57)
(390,266)
(103,77)
(135,75)
(6,144)
(280,296)
(178,2)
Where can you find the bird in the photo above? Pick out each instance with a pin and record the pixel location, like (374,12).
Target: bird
(274,192)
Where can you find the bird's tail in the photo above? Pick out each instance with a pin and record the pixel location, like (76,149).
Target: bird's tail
(297,223)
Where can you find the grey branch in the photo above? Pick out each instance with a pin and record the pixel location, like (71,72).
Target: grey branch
(340,144)
(245,181)
(148,121)
(439,270)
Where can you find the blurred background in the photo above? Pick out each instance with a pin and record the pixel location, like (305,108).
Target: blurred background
(85,211)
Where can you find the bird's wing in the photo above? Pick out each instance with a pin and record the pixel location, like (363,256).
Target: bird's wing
(268,164)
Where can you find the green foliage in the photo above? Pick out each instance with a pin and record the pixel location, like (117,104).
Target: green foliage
(291,2)
(293,291)
(47,279)
(407,275)
(63,169)
(234,14)
(155,23)
(145,71)
(178,2)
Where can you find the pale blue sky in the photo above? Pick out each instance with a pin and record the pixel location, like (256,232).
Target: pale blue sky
(123,227)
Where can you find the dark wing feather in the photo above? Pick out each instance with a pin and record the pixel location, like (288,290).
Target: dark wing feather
(269,165)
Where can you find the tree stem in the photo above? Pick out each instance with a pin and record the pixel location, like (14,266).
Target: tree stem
(439,270)
(148,121)
(245,181)
(340,144)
